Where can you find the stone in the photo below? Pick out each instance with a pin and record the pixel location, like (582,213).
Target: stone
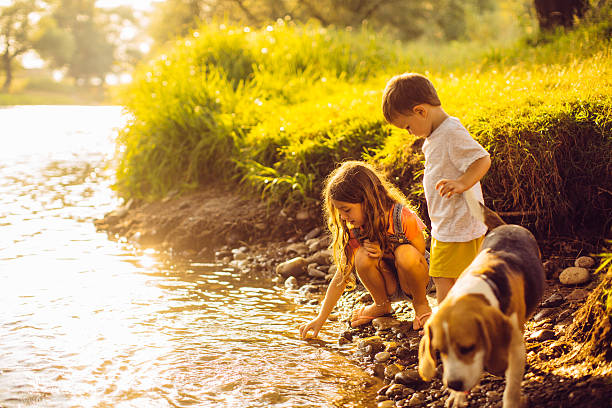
(577,294)
(323,257)
(395,390)
(302,215)
(313,272)
(542,335)
(374,343)
(543,314)
(417,400)
(550,268)
(382,356)
(574,275)
(293,267)
(291,283)
(391,370)
(553,301)
(385,323)
(313,233)
(299,248)
(408,377)
(386,404)
(584,262)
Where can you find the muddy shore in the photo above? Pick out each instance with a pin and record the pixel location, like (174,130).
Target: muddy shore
(242,232)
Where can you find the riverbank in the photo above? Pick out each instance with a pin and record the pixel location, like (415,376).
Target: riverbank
(242,232)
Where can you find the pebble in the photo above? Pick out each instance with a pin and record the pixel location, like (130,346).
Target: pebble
(577,294)
(408,377)
(553,301)
(291,283)
(386,404)
(542,335)
(391,370)
(293,267)
(313,233)
(385,323)
(574,275)
(417,400)
(584,262)
(395,390)
(382,356)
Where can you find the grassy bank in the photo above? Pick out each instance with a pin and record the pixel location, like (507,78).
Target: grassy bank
(35,89)
(274,110)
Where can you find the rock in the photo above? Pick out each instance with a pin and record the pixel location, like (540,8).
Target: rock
(240,256)
(302,215)
(383,390)
(403,353)
(386,404)
(408,377)
(574,275)
(291,283)
(577,294)
(543,314)
(313,272)
(382,356)
(553,301)
(391,370)
(395,390)
(385,323)
(550,268)
(371,345)
(417,400)
(299,248)
(542,335)
(343,341)
(313,233)
(323,257)
(293,267)
(584,262)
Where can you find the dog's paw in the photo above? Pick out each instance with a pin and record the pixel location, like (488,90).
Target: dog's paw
(457,399)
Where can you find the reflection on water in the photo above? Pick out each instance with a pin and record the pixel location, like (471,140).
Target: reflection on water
(85,321)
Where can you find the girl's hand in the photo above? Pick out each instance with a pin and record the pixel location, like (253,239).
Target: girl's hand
(447,188)
(372,248)
(314,325)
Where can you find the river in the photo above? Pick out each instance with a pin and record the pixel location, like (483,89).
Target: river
(88,321)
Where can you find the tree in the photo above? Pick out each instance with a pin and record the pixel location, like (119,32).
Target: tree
(555,13)
(15,29)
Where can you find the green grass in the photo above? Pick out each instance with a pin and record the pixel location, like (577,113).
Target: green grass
(274,110)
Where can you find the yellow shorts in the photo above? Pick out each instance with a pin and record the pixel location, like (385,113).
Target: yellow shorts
(449,259)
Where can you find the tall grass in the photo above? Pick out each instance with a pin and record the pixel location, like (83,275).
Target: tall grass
(274,110)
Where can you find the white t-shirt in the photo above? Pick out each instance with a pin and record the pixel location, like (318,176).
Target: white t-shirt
(449,151)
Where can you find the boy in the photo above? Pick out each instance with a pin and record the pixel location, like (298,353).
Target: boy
(454,163)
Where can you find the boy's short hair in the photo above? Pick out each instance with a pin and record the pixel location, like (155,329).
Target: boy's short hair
(404,92)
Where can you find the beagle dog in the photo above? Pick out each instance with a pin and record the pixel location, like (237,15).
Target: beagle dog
(480,324)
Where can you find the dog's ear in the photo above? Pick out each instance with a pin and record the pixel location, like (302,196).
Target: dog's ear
(496,333)
(427,359)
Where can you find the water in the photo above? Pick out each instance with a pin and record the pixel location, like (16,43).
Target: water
(90,322)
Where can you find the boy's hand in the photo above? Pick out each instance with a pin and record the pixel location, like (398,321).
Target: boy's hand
(446,188)
(372,248)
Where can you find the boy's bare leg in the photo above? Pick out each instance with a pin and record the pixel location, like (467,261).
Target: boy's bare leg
(374,282)
(413,277)
(443,286)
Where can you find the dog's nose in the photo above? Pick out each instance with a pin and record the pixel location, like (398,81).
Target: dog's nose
(456,385)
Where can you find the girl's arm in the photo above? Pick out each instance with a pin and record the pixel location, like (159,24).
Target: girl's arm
(334,291)
(472,175)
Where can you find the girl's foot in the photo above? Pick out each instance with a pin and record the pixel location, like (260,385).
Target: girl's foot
(366,314)
(421,314)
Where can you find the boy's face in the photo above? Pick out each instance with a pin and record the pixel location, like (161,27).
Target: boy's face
(416,122)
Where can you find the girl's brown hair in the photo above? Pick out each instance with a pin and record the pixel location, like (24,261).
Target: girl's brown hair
(404,92)
(358,182)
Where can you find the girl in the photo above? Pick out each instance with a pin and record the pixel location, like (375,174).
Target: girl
(359,204)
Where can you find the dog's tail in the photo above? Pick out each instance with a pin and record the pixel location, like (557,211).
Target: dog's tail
(481,212)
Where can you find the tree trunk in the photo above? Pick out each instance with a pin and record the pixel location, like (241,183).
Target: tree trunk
(555,13)
(8,70)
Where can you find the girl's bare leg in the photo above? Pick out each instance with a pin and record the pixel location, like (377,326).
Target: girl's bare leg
(413,276)
(374,282)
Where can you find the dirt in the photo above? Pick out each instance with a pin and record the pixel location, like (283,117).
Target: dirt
(569,356)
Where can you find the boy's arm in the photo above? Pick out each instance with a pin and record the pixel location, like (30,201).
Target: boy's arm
(473,174)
